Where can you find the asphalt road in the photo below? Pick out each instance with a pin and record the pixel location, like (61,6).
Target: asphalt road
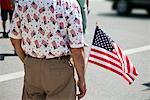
(131,33)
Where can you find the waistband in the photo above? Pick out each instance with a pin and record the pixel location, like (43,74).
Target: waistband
(55,58)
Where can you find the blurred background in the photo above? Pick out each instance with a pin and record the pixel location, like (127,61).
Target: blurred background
(127,22)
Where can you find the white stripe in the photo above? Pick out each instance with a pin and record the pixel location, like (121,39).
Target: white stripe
(103,50)
(11,76)
(105,57)
(137,50)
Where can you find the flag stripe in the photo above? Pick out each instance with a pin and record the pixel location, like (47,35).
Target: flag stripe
(123,59)
(120,57)
(130,76)
(126,77)
(135,72)
(132,68)
(113,70)
(105,63)
(104,53)
(105,57)
(128,64)
(105,60)
(113,54)
(111,66)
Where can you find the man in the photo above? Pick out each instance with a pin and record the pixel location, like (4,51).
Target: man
(7,7)
(45,34)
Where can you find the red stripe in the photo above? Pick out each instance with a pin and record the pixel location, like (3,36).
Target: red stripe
(120,53)
(110,69)
(128,64)
(129,67)
(104,53)
(134,71)
(105,60)
(114,53)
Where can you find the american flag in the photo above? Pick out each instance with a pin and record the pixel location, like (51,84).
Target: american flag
(107,54)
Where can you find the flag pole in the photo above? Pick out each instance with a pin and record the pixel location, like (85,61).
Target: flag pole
(90,48)
(96,23)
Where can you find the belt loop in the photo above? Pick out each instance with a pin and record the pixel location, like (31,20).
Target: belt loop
(59,58)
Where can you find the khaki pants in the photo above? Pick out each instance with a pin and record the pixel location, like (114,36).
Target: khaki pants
(48,79)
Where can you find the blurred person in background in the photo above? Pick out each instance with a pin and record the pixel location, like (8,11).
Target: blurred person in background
(7,7)
(84,5)
(45,34)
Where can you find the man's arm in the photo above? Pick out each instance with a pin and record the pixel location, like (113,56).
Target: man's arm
(78,56)
(17,45)
(76,43)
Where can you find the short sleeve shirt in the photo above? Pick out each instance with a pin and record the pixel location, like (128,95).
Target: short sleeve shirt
(47,28)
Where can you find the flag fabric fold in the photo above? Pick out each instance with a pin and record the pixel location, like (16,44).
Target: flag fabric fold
(107,54)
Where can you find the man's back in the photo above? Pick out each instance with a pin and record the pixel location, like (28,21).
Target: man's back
(43,26)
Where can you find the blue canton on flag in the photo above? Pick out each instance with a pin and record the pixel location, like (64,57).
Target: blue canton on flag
(102,40)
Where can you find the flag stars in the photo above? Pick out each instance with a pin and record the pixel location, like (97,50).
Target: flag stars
(102,40)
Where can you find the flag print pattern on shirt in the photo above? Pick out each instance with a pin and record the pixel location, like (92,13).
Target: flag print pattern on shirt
(48,28)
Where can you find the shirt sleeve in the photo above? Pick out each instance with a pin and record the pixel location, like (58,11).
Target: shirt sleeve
(75,28)
(15,31)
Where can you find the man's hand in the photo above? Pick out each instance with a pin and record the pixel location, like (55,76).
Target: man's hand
(17,45)
(78,56)
(82,88)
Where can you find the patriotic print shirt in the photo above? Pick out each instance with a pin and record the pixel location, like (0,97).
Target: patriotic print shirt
(47,28)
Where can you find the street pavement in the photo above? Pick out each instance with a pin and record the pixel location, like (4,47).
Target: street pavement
(132,33)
